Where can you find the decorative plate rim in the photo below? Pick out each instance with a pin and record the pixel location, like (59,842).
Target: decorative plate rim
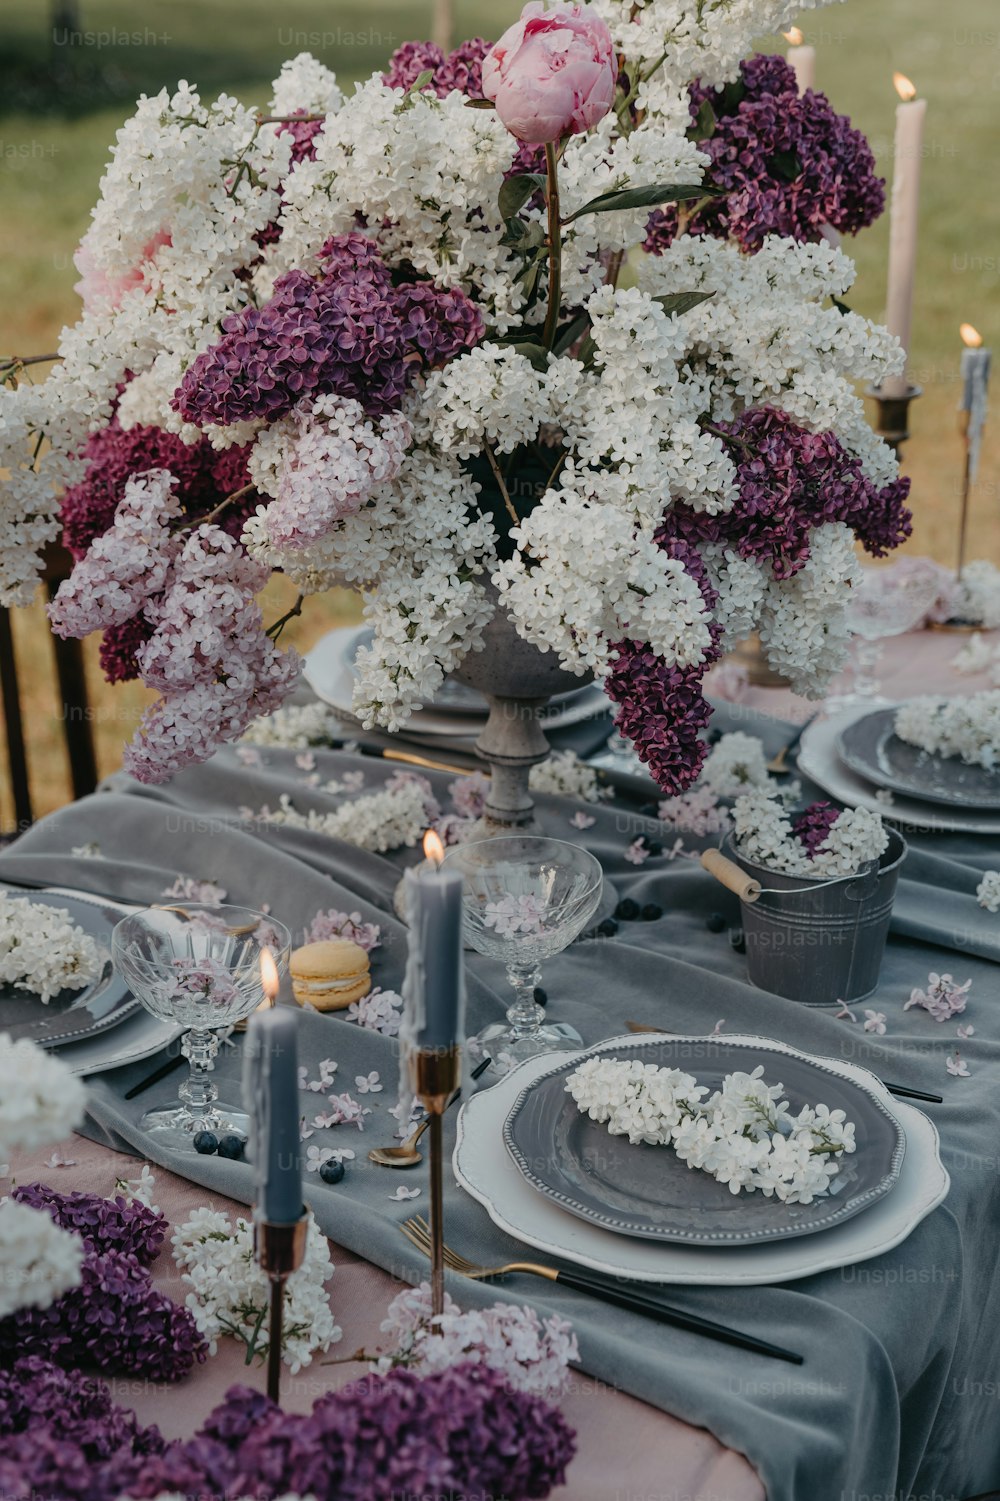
(879,778)
(842,1209)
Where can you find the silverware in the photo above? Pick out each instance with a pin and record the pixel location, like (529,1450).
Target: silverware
(903,1091)
(777,765)
(622,1294)
(406,1154)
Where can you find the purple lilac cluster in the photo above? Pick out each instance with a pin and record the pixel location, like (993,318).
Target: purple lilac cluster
(113,1319)
(813,825)
(461,69)
(348,331)
(661,706)
(119,1224)
(114,454)
(784,165)
(460,1432)
(790,481)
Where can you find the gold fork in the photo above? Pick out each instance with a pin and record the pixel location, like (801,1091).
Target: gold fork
(620,1292)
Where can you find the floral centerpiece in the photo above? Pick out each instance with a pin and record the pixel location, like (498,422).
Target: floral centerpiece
(542,323)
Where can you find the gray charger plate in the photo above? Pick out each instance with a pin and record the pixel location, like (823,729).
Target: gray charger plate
(646,1191)
(72,1015)
(871,748)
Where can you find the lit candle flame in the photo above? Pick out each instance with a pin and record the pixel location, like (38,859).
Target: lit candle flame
(971,337)
(905,88)
(268,977)
(793,36)
(433,848)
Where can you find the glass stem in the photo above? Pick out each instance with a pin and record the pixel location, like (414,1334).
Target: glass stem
(199,1091)
(866,655)
(525,1016)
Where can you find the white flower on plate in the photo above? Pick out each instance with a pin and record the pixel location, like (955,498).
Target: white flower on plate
(43,951)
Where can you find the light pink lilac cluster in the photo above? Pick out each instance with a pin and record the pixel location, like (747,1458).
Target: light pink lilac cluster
(335,924)
(943,998)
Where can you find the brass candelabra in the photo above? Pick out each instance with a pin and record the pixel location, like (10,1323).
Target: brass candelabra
(437,1074)
(278,1250)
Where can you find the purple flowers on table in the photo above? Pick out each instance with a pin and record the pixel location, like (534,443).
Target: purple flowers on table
(459,1432)
(121,1224)
(113,1320)
(348,331)
(784,165)
(790,481)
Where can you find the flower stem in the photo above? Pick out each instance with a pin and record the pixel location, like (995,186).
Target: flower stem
(491,456)
(275,630)
(555,246)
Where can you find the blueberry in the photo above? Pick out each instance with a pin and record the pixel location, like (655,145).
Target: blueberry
(651,912)
(540,996)
(715,922)
(232,1147)
(654,846)
(332,1171)
(607,928)
(627,910)
(206,1142)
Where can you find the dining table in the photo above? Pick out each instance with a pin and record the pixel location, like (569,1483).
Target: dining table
(897,1392)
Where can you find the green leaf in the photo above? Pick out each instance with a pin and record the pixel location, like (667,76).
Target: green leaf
(840,306)
(479,104)
(517,190)
(523,236)
(733,95)
(568,336)
(646,197)
(416,87)
(532,349)
(682,302)
(784,164)
(705,123)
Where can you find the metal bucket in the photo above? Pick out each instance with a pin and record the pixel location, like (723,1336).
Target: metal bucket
(818,942)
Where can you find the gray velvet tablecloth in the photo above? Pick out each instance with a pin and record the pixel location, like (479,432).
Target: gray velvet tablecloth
(898,1395)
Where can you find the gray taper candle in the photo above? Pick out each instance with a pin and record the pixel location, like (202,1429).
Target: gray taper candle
(271,1098)
(434,988)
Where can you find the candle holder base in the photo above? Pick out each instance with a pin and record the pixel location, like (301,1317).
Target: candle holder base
(437,1074)
(893,414)
(278,1250)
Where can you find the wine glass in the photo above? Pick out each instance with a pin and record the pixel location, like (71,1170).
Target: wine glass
(198,965)
(525,899)
(886,602)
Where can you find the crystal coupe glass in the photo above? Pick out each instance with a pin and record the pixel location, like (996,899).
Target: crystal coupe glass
(885,603)
(524,900)
(199,966)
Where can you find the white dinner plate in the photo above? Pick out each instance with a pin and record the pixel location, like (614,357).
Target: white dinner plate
(484,1170)
(328,669)
(819,760)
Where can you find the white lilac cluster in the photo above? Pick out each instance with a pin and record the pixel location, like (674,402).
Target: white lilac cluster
(988,891)
(205,208)
(563,772)
(533,1355)
(294,727)
(230,1295)
(43,951)
(379,821)
(736,762)
(380,1010)
(743,1135)
(40,1102)
(966,727)
(764,835)
(976,595)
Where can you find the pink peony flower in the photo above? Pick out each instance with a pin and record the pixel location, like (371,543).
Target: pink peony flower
(552,73)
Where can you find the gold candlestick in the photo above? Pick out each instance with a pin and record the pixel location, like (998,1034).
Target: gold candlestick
(437,1074)
(893,423)
(278,1250)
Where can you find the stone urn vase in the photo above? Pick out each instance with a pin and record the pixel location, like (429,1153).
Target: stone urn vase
(517,679)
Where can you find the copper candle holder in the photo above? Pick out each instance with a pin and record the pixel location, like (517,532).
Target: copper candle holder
(437,1074)
(278,1250)
(893,415)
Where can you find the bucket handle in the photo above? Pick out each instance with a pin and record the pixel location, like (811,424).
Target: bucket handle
(735,879)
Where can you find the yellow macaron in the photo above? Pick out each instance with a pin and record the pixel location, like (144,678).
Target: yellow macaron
(329,975)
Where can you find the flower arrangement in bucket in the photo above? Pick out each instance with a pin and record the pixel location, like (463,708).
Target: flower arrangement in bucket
(539,331)
(816,891)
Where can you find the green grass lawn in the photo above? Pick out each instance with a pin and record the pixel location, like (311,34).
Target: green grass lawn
(60,105)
